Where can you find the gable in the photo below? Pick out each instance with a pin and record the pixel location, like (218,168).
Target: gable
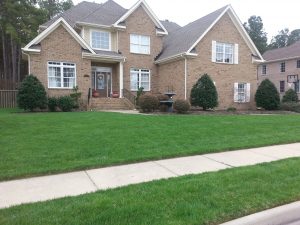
(141,3)
(196,31)
(50,29)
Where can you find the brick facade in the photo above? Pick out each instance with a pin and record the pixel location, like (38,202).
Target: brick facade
(62,47)
(274,74)
(140,23)
(224,75)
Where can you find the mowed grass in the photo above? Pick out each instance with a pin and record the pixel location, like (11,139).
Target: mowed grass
(42,143)
(209,198)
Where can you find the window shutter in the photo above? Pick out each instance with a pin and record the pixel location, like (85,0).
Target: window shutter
(236,54)
(248,89)
(235,95)
(213,51)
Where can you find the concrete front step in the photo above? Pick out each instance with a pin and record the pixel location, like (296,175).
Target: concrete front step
(111,104)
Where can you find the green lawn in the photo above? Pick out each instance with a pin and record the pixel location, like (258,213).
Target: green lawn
(209,198)
(42,143)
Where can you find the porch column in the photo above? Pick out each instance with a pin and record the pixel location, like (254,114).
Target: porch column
(121,79)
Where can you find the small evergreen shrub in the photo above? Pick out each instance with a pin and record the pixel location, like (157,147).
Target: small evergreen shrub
(267,96)
(66,103)
(182,106)
(204,93)
(290,106)
(31,94)
(52,103)
(290,96)
(148,103)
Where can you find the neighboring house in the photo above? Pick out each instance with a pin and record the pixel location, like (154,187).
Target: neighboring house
(114,50)
(282,67)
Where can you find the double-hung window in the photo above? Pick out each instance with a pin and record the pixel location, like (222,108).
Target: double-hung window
(282,86)
(139,78)
(101,40)
(264,69)
(241,92)
(139,44)
(61,75)
(224,52)
(298,63)
(282,67)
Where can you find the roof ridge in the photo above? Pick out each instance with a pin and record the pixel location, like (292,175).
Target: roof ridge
(100,6)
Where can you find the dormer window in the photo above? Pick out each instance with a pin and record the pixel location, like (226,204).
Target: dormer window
(139,44)
(101,40)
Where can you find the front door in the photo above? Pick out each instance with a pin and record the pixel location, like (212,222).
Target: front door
(101,81)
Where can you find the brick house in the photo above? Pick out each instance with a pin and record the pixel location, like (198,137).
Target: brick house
(282,67)
(112,50)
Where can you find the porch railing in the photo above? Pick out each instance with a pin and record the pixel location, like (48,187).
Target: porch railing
(8,98)
(131,97)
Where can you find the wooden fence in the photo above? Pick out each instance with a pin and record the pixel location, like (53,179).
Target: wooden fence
(8,98)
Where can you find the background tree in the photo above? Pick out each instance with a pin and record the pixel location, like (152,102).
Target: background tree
(204,93)
(19,22)
(255,29)
(267,95)
(54,7)
(280,40)
(293,37)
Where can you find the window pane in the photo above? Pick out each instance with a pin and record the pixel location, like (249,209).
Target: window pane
(134,80)
(134,48)
(145,40)
(100,39)
(54,77)
(134,39)
(139,44)
(69,77)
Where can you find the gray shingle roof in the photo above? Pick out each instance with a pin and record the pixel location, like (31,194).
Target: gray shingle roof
(76,13)
(283,53)
(107,14)
(182,39)
(170,26)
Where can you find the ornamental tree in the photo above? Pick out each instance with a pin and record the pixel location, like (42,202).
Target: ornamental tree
(204,93)
(31,94)
(267,96)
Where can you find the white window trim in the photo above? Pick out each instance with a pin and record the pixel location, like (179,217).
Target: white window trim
(140,80)
(62,74)
(140,36)
(247,91)
(235,52)
(109,39)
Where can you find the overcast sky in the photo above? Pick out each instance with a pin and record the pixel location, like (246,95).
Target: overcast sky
(275,14)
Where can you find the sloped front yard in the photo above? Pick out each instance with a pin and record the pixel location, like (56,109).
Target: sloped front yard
(209,198)
(43,143)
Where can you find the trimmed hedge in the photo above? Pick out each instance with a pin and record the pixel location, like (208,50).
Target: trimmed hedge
(31,94)
(290,106)
(290,96)
(182,106)
(204,93)
(148,103)
(66,103)
(267,96)
(52,103)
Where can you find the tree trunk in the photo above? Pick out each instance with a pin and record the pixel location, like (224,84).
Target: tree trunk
(19,65)
(13,60)
(4,55)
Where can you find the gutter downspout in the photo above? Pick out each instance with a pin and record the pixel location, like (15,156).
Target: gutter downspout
(29,72)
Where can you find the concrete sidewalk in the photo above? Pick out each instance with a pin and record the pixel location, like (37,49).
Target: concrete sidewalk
(283,215)
(71,184)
